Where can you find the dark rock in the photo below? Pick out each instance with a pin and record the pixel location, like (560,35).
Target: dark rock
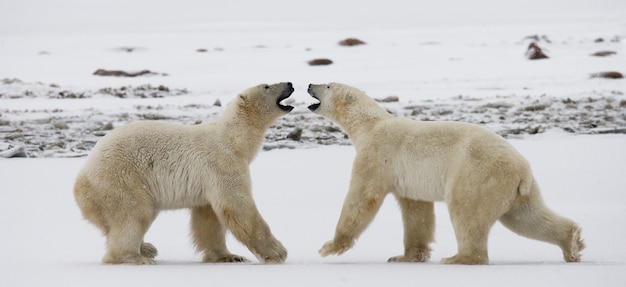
(608,75)
(320,62)
(603,53)
(333,129)
(68,95)
(534,52)
(349,42)
(295,134)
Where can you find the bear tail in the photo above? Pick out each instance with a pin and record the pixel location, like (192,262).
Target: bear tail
(526,184)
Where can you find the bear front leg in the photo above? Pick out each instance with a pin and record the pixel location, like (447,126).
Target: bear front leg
(242,218)
(418,218)
(209,236)
(361,205)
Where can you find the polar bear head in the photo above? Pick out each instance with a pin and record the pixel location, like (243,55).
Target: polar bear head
(268,96)
(342,103)
(334,99)
(262,103)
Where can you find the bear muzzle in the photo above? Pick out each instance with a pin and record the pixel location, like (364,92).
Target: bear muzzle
(311,92)
(284,95)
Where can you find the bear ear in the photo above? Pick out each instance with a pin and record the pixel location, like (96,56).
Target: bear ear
(243,97)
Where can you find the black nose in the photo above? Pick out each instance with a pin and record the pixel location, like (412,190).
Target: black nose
(289,85)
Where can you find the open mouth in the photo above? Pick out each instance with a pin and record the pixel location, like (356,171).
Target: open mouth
(284,95)
(314,107)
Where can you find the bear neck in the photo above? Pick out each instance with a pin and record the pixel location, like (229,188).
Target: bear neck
(243,132)
(359,124)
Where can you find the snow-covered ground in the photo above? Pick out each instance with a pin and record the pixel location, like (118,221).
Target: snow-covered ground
(299,192)
(450,60)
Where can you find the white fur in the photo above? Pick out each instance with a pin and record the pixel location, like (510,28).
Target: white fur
(477,173)
(141,168)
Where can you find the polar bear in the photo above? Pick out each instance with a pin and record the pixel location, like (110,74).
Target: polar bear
(480,176)
(141,168)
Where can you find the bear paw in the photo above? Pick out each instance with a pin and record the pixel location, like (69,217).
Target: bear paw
(278,255)
(466,260)
(403,258)
(148,250)
(232,258)
(133,259)
(572,248)
(141,260)
(413,255)
(331,247)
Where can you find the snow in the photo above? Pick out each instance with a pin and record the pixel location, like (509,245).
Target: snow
(300,193)
(424,52)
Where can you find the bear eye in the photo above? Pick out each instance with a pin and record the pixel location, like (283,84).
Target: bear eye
(328,87)
(267,87)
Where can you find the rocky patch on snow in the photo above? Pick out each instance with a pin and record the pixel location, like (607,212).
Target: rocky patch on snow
(121,73)
(16,89)
(60,133)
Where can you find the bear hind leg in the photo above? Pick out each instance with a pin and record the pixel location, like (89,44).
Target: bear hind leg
(125,243)
(418,218)
(472,238)
(472,219)
(530,217)
(209,236)
(124,233)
